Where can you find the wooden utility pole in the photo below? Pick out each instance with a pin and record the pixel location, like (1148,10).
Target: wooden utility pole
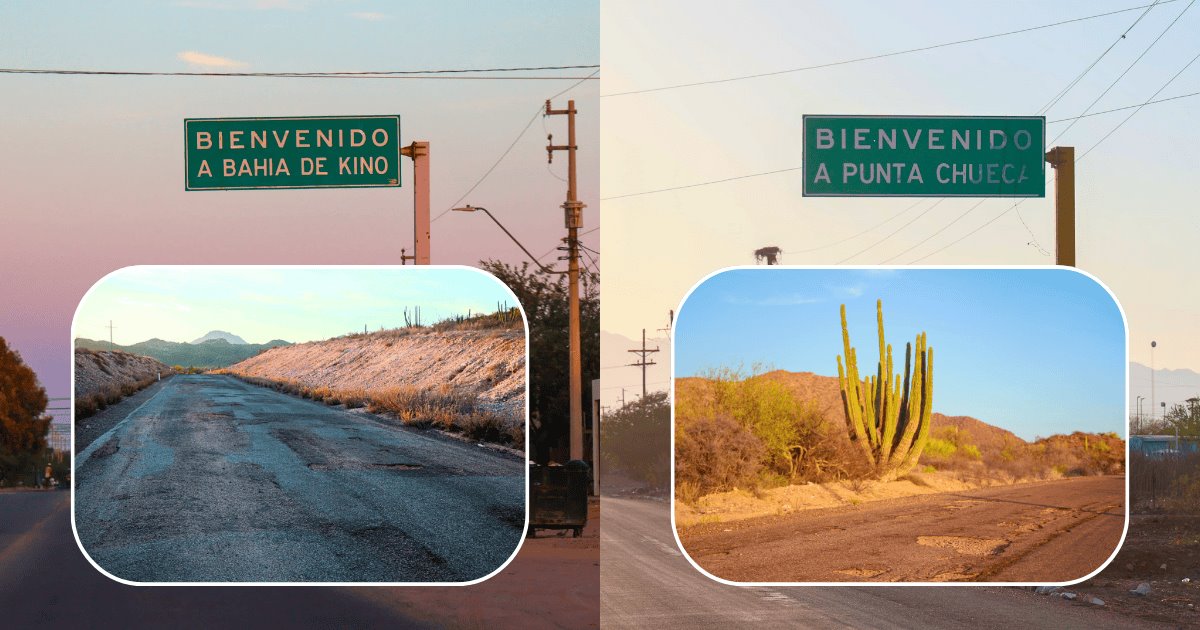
(573,216)
(643,352)
(1063,161)
(111,345)
(419,152)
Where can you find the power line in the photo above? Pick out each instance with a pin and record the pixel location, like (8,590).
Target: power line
(1077,160)
(1054,101)
(1119,109)
(854,236)
(1035,242)
(1126,71)
(366,74)
(1134,112)
(883,55)
(536,113)
(707,183)
(894,232)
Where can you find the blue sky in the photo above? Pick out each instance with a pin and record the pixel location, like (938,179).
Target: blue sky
(264,303)
(1035,351)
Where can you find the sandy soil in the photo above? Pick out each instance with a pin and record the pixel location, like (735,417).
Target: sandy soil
(739,504)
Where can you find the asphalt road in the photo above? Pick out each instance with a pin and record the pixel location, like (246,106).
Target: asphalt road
(45,582)
(1053,531)
(645,582)
(212,479)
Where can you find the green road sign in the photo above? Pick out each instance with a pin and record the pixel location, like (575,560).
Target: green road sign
(298,152)
(924,156)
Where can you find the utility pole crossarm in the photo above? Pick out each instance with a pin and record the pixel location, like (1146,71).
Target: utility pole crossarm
(643,352)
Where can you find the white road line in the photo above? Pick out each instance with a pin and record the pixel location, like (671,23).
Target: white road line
(81,458)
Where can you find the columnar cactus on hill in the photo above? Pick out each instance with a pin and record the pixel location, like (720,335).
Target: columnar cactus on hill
(888,418)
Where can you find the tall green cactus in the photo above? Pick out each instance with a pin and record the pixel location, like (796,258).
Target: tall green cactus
(888,418)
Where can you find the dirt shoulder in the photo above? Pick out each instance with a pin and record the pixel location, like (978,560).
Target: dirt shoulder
(740,504)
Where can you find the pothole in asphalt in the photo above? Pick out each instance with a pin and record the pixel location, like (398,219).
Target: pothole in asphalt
(364,466)
(966,545)
(108,448)
(207,416)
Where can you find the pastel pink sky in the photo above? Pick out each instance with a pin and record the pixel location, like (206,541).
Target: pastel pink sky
(92,167)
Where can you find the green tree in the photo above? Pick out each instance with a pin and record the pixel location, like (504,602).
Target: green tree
(1185,417)
(545,300)
(23,423)
(637,439)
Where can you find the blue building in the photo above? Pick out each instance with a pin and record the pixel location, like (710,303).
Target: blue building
(1161,445)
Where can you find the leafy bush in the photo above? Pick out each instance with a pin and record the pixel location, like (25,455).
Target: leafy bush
(636,439)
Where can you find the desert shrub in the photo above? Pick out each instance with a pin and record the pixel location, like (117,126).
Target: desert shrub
(793,432)
(950,448)
(937,448)
(717,453)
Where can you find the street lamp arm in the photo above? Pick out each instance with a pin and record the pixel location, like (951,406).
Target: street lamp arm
(544,268)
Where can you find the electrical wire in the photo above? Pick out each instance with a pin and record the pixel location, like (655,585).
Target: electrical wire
(883,55)
(365,74)
(517,139)
(1054,101)
(1126,71)
(707,183)
(1077,160)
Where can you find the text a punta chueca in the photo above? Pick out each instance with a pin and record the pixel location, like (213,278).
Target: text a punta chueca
(293,139)
(998,142)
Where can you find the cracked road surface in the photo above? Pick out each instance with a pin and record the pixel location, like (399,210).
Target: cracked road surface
(645,582)
(212,479)
(1051,531)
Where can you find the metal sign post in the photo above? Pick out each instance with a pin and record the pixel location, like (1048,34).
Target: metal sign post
(419,152)
(1063,161)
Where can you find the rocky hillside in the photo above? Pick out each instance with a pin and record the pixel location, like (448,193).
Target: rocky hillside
(487,364)
(964,442)
(103,377)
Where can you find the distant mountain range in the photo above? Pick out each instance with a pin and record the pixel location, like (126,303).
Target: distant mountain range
(215,349)
(1170,386)
(221,334)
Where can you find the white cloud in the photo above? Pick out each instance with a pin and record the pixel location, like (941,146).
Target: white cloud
(209,61)
(370,16)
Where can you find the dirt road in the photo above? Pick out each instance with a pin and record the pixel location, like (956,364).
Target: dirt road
(1053,531)
(212,479)
(647,583)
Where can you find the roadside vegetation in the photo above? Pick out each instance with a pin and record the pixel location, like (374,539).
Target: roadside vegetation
(753,432)
(446,407)
(105,377)
(23,423)
(425,374)
(636,440)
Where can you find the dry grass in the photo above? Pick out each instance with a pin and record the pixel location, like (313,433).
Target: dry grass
(445,407)
(89,404)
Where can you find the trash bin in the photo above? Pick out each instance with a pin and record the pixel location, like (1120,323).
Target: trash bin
(558,497)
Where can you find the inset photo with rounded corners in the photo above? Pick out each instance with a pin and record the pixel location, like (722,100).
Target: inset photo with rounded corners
(915,425)
(300,424)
